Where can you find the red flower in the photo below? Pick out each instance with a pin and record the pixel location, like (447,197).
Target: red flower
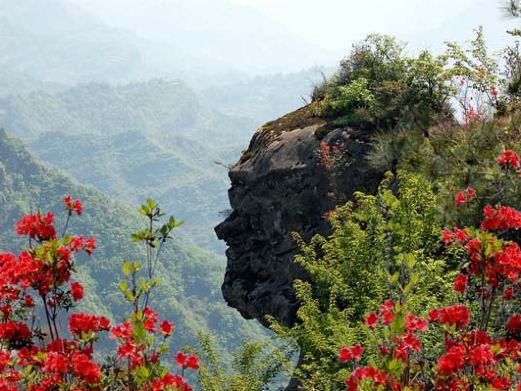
(181,358)
(76,291)
(415,323)
(37,226)
(90,245)
(509,159)
(470,193)
(149,320)
(354,353)
(514,323)
(451,361)
(460,283)
(502,218)
(446,236)
(466,196)
(85,368)
(371,320)
(508,294)
(481,355)
(457,315)
(167,328)
(123,330)
(73,206)
(85,323)
(192,362)
(15,331)
(459,199)
(461,236)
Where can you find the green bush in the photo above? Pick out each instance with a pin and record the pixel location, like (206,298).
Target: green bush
(254,367)
(349,271)
(379,87)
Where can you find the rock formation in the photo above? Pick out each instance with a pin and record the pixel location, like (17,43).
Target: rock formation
(279,187)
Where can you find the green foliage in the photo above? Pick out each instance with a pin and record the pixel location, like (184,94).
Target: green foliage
(136,140)
(455,157)
(349,272)
(473,74)
(378,87)
(254,366)
(189,293)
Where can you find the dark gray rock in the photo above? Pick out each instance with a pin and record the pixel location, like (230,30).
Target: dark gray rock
(278,188)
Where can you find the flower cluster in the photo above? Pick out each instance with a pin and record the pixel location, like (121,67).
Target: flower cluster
(400,345)
(38,354)
(509,159)
(328,155)
(465,196)
(73,205)
(471,116)
(481,336)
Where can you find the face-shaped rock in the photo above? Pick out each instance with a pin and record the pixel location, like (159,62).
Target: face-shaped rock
(277,190)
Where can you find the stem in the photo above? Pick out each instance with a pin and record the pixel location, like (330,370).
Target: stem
(53,318)
(489,309)
(66,223)
(47,315)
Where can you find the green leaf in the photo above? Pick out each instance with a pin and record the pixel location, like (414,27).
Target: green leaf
(123,286)
(127,268)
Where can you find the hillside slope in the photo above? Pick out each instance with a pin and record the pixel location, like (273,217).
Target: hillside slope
(132,141)
(189,294)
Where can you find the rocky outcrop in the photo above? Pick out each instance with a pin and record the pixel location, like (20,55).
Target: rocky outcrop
(278,188)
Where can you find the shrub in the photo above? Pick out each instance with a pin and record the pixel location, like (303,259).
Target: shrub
(479,336)
(37,292)
(378,87)
(348,273)
(254,367)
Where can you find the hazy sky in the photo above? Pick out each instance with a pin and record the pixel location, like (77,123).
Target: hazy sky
(334,24)
(327,27)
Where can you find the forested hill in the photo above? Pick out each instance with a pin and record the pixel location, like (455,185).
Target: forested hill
(136,140)
(190,290)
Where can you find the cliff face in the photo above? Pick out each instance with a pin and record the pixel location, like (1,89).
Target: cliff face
(278,188)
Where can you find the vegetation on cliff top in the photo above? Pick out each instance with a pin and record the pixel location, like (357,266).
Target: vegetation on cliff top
(410,274)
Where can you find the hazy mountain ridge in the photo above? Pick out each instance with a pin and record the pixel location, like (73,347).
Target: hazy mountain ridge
(76,47)
(132,141)
(189,294)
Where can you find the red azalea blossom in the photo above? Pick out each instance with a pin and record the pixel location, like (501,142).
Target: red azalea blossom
(85,323)
(457,315)
(514,323)
(460,283)
(451,361)
(192,362)
(123,330)
(371,320)
(37,226)
(509,159)
(76,291)
(501,218)
(460,199)
(89,245)
(73,205)
(180,359)
(150,320)
(354,353)
(34,355)
(446,236)
(167,328)
(466,196)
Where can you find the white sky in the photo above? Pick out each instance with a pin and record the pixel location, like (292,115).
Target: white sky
(329,26)
(335,24)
